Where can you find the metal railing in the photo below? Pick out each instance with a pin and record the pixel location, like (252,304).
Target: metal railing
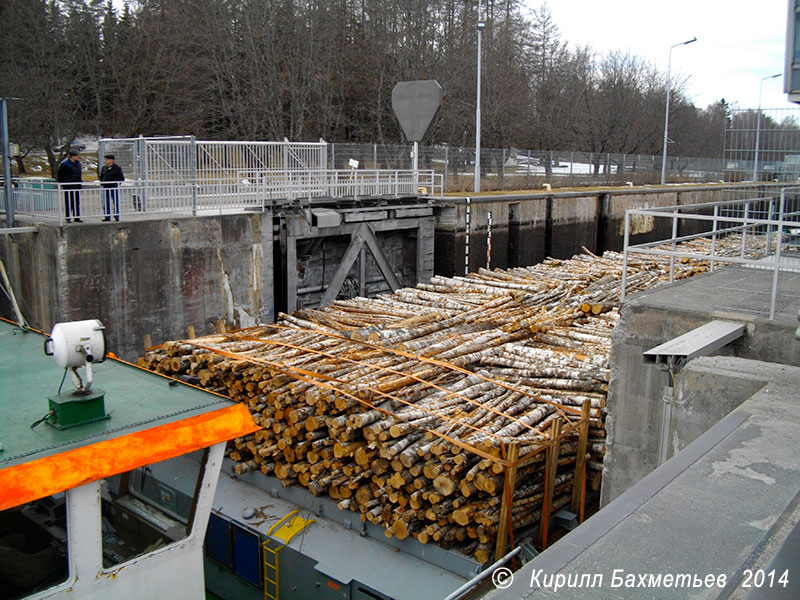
(350,183)
(751,231)
(174,158)
(251,191)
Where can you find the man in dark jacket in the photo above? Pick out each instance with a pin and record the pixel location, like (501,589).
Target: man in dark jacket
(69,175)
(110,176)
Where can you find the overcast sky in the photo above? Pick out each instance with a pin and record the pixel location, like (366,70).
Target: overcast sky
(738,41)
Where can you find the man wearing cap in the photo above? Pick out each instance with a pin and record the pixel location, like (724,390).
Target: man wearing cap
(69,175)
(110,176)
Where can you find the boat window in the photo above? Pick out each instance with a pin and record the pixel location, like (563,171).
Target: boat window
(33,547)
(150,507)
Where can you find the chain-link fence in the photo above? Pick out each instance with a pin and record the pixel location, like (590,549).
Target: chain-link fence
(514,169)
(763,145)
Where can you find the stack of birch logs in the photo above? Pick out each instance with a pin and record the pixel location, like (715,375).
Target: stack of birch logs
(407,408)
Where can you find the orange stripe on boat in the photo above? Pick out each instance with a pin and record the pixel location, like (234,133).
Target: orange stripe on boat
(52,474)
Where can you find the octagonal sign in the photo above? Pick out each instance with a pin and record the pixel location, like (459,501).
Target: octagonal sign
(415,104)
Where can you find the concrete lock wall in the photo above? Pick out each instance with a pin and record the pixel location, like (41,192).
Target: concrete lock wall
(702,395)
(574,225)
(146,277)
(643,229)
(157,277)
(647,229)
(635,408)
(528,228)
(518,236)
(706,391)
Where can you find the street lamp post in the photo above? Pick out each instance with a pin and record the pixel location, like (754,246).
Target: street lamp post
(7,183)
(477,185)
(758,123)
(666,116)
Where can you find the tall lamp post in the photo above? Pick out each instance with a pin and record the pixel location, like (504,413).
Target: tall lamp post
(7,183)
(758,122)
(666,116)
(477,185)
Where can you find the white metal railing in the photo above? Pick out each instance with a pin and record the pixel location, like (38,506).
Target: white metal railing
(764,228)
(338,183)
(59,203)
(174,158)
(254,190)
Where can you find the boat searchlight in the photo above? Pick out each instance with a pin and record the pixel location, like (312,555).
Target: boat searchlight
(77,344)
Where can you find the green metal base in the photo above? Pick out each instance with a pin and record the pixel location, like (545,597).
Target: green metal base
(71,410)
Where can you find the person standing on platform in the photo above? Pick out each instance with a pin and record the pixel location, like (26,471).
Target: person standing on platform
(69,175)
(110,176)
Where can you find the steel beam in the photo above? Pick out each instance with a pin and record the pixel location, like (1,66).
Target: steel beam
(699,342)
(675,353)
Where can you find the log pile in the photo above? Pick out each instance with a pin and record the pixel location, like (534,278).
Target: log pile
(403,408)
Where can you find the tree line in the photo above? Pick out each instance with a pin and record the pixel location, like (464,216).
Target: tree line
(305,70)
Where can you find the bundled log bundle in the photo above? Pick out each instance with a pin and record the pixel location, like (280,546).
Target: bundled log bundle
(417,409)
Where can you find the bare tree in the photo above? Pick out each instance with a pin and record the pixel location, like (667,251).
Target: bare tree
(38,68)
(305,69)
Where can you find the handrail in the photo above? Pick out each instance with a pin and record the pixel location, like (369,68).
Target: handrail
(247,190)
(756,234)
(490,570)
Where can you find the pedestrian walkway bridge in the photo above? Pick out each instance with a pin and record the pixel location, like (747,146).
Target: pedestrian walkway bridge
(181,176)
(43,201)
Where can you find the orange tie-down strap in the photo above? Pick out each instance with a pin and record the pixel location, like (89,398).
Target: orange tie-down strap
(52,474)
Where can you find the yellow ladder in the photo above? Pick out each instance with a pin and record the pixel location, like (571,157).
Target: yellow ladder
(284,531)
(270,571)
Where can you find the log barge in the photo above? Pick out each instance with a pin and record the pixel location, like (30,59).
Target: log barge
(457,417)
